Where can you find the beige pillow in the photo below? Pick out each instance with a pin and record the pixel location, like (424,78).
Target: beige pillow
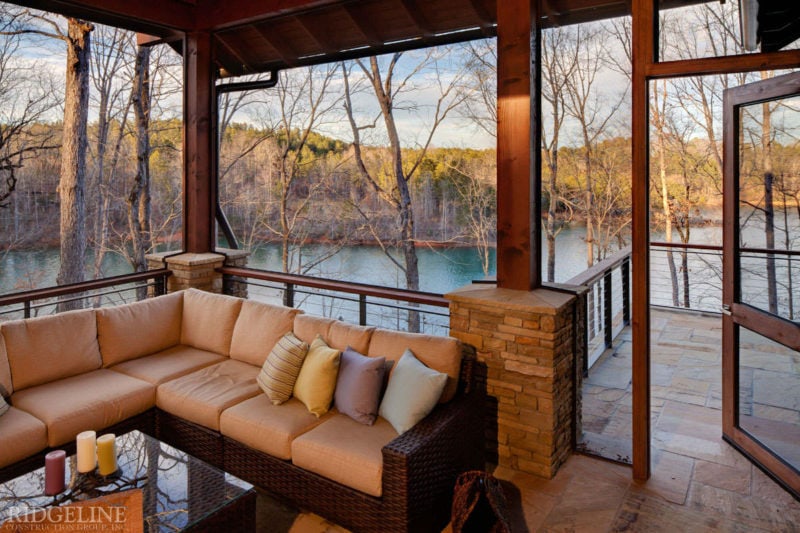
(208,320)
(281,368)
(257,329)
(317,380)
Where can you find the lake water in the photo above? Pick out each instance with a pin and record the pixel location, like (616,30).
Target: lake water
(445,269)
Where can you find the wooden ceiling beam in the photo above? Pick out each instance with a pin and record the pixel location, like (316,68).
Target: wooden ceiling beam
(487,20)
(216,15)
(316,34)
(246,66)
(145,17)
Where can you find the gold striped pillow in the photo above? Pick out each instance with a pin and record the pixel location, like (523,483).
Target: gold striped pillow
(3,406)
(281,368)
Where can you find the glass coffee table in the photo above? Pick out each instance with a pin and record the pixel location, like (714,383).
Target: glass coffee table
(179,491)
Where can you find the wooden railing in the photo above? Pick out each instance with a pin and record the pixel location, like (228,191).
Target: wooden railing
(30,303)
(353,301)
(606,298)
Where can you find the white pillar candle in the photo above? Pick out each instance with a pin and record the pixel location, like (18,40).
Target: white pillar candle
(87,451)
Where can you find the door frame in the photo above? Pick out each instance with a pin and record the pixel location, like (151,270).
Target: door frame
(736,313)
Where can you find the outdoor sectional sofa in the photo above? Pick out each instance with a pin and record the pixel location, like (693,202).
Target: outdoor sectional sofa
(183,368)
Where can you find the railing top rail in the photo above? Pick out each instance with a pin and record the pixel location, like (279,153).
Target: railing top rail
(54,292)
(687,246)
(598,270)
(425,298)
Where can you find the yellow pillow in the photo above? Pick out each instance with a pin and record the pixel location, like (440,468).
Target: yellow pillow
(317,380)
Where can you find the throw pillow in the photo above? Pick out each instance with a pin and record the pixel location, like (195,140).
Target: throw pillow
(317,379)
(358,389)
(5,400)
(280,370)
(412,393)
(3,406)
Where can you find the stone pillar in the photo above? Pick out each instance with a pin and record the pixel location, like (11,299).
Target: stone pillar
(190,270)
(199,270)
(525,338)
(235,285)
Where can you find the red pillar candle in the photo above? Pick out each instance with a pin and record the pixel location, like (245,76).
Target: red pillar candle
(54,463)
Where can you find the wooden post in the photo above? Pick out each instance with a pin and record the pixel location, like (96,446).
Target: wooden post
(518,145)
(644,14)
(199,144)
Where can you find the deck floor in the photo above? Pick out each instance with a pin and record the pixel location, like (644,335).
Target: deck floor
(699,482)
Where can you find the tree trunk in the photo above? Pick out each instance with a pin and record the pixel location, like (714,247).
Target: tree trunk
(550,225)
(71,187)
(139,197)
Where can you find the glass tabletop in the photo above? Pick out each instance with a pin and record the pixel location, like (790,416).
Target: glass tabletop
(179,490)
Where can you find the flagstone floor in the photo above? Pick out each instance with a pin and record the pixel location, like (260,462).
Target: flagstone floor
(699,482)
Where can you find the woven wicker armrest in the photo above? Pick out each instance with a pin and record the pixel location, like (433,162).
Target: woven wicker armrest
(421,465)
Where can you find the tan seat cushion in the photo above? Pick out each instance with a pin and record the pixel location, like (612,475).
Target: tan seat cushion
(36,347)
(266,427)
(208,320)
(341,335)
(345,451)
(5,371)
(21,435)
(95,400)
(129,331)
(258,328)
(201,396)
(439,353)
(167,365)
(307,327)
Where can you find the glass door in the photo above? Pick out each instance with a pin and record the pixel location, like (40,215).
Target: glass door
(761,275)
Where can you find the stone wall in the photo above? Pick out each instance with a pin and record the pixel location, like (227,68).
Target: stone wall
(526,341)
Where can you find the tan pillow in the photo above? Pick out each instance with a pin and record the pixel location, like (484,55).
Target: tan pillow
(208,320)
(442,354)
(36,347)
(138,329)
(280,370)
(317,380)
(3,406)
(258,328)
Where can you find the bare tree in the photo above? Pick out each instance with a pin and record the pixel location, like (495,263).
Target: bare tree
(559,61)
(25,97)
(587,106)
(139,196)
(379,75)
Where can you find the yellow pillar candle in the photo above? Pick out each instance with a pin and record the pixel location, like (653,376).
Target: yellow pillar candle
(87,457)
(106,454)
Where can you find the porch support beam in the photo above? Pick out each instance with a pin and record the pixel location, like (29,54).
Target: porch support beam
(643,39)
(199,144)
(518,145)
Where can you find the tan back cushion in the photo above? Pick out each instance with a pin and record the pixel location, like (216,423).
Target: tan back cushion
(138,329)
(439,353)
(341,335)
(5,371)
(41,350)
(258,328)
(307,327)
(208,320)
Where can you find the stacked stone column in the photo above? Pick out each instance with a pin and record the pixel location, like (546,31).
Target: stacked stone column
(199,271)
(526,341)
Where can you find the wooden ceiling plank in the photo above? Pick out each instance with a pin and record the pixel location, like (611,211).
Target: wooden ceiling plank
(364,25)
(248,67)
(412,9)
(136,16)
(480,10)
(284,49)
(316,34)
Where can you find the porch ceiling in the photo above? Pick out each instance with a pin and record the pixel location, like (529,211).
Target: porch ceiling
(262,35)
